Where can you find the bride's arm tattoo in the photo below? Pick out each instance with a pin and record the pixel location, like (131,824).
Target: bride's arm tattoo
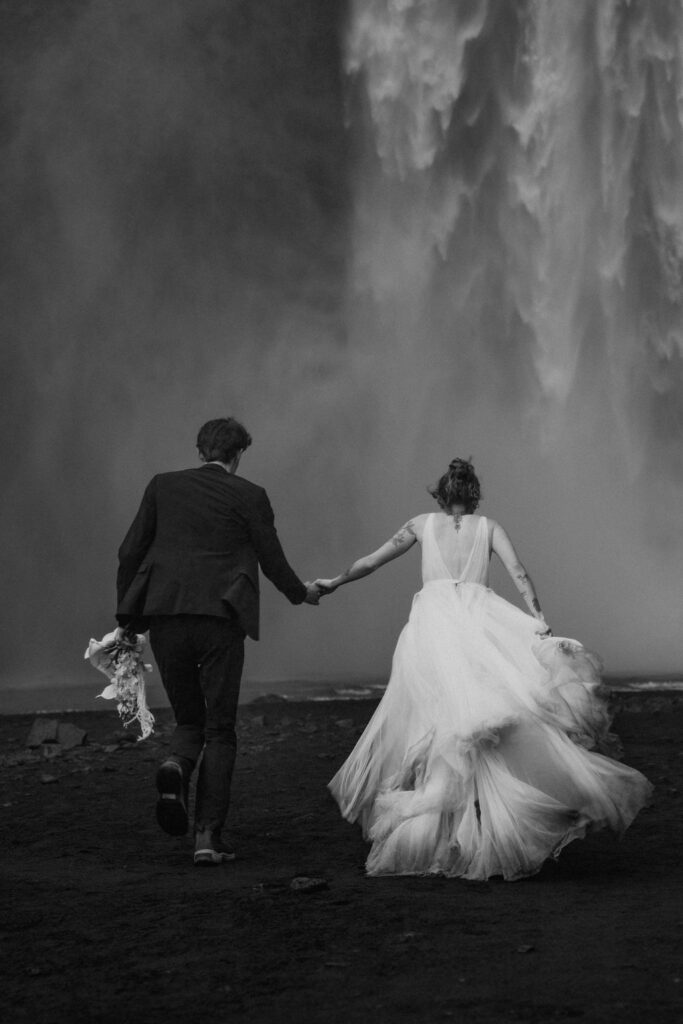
(406,532)
(528,592)
(400,542)
(502,546)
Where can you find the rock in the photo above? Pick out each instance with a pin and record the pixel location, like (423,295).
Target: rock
(305,884)
(47,779)
(43,730)
(51,750)
(344,723)
(259,720)
(309,727)
(70,736)
(525,949)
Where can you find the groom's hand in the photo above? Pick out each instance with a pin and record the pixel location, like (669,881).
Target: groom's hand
(312,594)
(125,635)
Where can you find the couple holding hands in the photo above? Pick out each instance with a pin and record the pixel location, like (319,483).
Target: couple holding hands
(487,753)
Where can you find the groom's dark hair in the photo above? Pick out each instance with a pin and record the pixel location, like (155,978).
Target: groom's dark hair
(222,439)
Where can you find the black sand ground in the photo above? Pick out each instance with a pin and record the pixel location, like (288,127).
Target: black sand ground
(105,919)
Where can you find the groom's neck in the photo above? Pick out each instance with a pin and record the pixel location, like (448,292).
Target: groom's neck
(229,467)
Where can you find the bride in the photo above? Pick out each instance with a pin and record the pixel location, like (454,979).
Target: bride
(487,753)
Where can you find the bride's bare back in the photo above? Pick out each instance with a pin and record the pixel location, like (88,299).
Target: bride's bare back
(455,535)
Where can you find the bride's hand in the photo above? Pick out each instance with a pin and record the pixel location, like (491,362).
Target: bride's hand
(325,586)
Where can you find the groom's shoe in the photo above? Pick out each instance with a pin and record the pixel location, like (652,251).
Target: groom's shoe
(171,805)
(209,850)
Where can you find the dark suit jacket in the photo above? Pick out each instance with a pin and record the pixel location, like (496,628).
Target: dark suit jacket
(195,547)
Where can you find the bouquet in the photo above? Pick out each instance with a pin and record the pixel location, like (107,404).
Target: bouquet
(119,656)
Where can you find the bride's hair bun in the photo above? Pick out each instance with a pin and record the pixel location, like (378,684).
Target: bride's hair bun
(459,485)
(461,465)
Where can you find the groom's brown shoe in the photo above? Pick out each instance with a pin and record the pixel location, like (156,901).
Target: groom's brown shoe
(209,851)
(171,805)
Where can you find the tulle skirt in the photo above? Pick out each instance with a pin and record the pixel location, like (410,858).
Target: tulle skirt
(488,751)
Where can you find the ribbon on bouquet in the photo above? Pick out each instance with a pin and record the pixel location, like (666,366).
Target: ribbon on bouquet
(120,659)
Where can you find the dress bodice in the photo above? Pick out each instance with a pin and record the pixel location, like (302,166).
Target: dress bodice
(465,560)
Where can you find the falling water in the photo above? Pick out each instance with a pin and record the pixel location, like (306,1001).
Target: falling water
(518,280)
(382,233)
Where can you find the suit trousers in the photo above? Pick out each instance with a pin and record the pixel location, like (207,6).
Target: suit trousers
(200,659)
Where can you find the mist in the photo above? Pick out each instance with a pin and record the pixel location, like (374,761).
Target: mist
(381,235)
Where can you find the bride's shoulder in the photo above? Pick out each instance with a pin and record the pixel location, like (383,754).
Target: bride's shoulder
(491,524)
(417,524)
(497,535)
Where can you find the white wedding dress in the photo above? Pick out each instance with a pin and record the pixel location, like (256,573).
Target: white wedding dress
(481,757)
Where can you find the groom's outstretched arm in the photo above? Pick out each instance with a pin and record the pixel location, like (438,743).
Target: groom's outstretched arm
(137,541)
(271,556)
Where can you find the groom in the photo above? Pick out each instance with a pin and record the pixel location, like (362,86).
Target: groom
(189,572)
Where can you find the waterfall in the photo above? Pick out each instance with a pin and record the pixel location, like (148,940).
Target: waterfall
(518,267)
(545,142)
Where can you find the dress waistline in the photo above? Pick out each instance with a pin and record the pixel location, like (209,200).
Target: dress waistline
(456,583)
